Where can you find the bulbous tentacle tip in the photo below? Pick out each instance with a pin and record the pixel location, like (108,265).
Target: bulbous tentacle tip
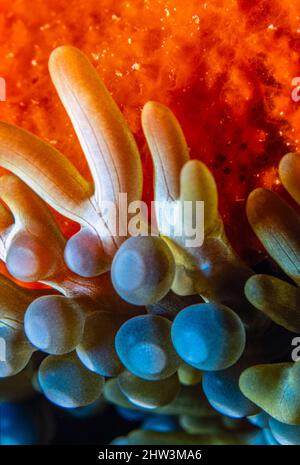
(97,347)
(148,394)
(86,255)
(152,270)
(144,346)
(67,383)
(54,324)
(191,336)
(30,259)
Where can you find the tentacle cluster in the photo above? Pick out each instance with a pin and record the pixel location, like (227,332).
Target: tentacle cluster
(158,316)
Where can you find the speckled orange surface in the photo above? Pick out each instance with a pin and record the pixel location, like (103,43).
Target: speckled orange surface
(224,67)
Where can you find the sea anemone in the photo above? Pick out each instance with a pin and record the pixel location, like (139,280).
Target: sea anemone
(152,331)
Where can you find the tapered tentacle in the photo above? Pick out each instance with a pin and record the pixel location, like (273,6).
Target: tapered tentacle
(105,138)
(46,171)
(277,226)
(178,179)
(34,244)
